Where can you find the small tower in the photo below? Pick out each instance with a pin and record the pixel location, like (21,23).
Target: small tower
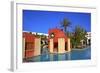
(58,41)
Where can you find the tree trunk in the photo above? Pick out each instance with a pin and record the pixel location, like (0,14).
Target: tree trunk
(65,30)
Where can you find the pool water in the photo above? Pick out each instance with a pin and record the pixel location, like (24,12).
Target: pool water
(75,54)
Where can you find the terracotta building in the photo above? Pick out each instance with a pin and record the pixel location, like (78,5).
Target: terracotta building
(58,41)
(31,45)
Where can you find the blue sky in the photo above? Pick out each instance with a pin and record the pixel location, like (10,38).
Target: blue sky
(42,21)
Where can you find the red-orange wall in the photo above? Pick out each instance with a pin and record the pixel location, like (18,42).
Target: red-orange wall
(29,38)
(58,34)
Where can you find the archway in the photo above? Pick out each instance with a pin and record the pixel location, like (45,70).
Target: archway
(55,47)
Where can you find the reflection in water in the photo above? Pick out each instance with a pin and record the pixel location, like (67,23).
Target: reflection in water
(51,57)
(73,55)
(69,56)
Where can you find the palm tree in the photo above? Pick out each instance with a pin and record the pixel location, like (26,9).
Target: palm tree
(78,36)
(65,23)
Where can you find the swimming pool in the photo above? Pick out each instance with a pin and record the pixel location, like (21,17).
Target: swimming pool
(75,54)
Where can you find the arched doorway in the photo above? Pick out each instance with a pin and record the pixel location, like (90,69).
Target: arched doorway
(55,47)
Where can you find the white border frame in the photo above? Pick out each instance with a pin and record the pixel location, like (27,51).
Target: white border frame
(16,60)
